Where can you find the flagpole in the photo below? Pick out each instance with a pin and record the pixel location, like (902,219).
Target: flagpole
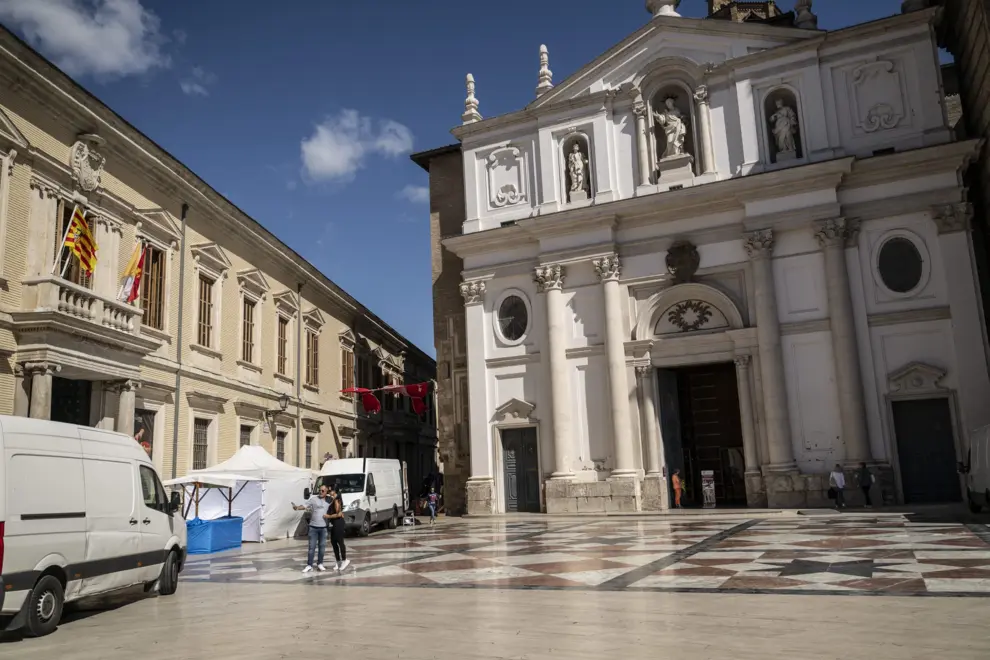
(61,246)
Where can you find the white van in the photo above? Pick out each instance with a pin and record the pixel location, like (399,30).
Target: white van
(373,490)
(977,470)
(82,512)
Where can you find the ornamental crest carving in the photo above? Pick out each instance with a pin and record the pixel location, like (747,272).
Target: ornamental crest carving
(87,163)
(683,261)
(878,96)
(690,315)
(506,177)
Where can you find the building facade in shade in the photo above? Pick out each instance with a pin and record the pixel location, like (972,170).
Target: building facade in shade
(228,320)
(735,247)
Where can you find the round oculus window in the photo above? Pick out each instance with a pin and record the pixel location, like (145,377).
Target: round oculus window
(900,264)
(513,318)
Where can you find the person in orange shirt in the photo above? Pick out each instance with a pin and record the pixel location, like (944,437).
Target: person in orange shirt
(675,481)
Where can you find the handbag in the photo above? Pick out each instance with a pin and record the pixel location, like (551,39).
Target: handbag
(831,493)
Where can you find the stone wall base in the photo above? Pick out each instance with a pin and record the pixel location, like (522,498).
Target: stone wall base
(480,496)
(791,490)
(756,490)
(656,496)
(612,496)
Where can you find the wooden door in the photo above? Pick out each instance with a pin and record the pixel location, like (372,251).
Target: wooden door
(926,451)
(520,470)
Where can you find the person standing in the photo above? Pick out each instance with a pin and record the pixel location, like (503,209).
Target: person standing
(678,486)
(433,501)
(317,505)
(866,481)
(837,482)
(336,518)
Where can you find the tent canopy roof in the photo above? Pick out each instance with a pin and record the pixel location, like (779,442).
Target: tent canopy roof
(254,461)
(207,478)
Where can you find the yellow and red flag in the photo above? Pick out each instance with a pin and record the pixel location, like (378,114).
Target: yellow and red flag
(130,283)
(80,240)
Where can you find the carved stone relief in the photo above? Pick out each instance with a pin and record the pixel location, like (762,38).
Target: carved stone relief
(506,177)
(690,316)
(87,163)
(682,261)
(878,96)
(577,168)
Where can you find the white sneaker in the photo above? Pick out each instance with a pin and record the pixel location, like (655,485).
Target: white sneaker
(344,564)
(336,567)
(308,569)
(321,567)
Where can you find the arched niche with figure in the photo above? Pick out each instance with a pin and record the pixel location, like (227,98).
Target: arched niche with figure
(673,120)
(577,175)
(783,125)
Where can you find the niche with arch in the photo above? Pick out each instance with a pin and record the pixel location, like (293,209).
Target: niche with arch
(577,177)
(673,124)
(782,113)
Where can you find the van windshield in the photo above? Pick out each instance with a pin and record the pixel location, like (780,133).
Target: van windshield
(346,483)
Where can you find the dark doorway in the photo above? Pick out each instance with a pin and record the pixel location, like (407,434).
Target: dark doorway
(71,401)
(926,451)
(520,470)
(702,405)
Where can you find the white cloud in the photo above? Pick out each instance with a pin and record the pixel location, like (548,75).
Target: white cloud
(341,144)
(103,38)
(416,194)
(197,82)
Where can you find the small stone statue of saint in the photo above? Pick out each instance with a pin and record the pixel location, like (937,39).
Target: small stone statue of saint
(784,124)
(577,166)
(674,128)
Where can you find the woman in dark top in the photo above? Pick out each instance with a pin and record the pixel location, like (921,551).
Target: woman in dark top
(336,518)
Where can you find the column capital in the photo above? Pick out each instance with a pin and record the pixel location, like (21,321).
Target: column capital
(743,361)
(127,385)
(549,277)
(644,371)
(759,244)
(951,218)
(639,108)
(836,232)
(40,368)
(473,291)
(607,267)
(701,94)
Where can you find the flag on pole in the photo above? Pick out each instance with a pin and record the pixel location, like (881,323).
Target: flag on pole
(130,283)
(80,240)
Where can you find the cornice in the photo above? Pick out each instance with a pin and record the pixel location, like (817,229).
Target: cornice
(891,168)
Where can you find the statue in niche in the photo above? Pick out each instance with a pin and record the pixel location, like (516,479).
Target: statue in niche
(784,123)
(671,120)
(577,171)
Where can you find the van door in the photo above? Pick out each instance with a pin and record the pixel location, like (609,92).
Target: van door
(372,491)
(112,527)
(156,522)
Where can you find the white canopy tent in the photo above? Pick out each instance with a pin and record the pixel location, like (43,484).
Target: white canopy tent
(267,488)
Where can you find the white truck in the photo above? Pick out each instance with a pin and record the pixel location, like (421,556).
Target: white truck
(82,513)
(372,490)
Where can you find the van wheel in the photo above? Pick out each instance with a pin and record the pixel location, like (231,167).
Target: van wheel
(366,525)
(169,580)
(44,606)
(394,520)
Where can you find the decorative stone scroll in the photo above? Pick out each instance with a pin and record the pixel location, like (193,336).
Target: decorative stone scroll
(506,177)
(877,96)
(690,316)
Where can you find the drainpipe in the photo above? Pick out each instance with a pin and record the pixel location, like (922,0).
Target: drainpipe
(178,342)
(299,334)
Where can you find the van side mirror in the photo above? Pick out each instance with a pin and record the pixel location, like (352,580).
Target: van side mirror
(174,502)
(371,490)
(307,493)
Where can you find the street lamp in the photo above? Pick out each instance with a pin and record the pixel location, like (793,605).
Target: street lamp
(283,403)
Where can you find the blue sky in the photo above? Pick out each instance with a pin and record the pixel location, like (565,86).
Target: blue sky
(303,112)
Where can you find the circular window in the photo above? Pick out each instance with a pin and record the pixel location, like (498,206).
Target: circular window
(900,265)
(513,318)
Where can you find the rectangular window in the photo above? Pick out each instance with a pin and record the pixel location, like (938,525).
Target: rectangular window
(204,336)
(68,263)
(247,331)
(346,369)
(309,452)
(312,359)
(246,431)
(201,443)
(280,445)
(283,345)
(153,288)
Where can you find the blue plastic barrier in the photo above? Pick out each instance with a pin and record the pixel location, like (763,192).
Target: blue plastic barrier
(206,536)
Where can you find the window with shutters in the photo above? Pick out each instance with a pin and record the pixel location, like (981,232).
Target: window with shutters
(247,331)
(246,431)
(153,288)
(201,443)
(282,364)
(312,359)
(204,334)
(280,445)
(309,451)
(68,263)
(346,369)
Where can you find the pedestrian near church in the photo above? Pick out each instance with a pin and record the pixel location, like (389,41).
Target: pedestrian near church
(866,481)
(336,518)
(318,507)
(433,501)
(678,486)
(836,484)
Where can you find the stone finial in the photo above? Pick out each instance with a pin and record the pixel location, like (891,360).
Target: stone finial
(662,7)
(803,18)
(471,113)
(546,75)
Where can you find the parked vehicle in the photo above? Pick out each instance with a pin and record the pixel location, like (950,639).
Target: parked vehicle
(977,470)
(372,490)
(82,513)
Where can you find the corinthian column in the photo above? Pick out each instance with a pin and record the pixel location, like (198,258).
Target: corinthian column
(759,246)
(648,418)
(642,147)
(618,386)
(832,236)
(479,430)
(703,112)
(550,281)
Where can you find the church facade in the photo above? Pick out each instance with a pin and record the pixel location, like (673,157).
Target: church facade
(733,247)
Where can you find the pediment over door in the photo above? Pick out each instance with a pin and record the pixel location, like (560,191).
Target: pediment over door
(515,411)
(685,309)
(917,378)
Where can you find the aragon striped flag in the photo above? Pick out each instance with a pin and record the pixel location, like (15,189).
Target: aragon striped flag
(130,283)
(80,240)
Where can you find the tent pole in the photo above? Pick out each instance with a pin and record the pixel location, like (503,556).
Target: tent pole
(196,495)
(230,502)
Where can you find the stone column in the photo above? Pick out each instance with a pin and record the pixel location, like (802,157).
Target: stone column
(832,235)
(746,413)
(104,275)
(41,374)
(759,246)
(126,394)
(22,391)
(608,270)
(642,144)
(704,115)
(480,485)
(649,420)
(550,282)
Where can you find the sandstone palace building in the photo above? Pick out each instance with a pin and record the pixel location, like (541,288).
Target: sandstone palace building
(738,245)
(234,339)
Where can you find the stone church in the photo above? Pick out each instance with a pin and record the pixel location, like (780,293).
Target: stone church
(733,247)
